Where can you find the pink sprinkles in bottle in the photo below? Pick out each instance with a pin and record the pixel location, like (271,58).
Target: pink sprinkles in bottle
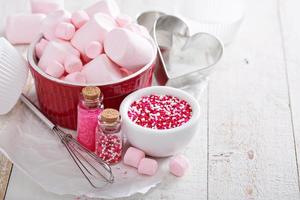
(160,111)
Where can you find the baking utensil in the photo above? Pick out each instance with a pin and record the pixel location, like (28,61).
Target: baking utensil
(184,59)
(13,68)
(160,142)
(148,18)
(91,166)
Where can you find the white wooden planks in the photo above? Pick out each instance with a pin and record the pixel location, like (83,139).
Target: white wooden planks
(289,16)
(251,137)
(251,146)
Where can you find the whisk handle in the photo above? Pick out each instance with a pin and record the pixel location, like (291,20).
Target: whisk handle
(36,111)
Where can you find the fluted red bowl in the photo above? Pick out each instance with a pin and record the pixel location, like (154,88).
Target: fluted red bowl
(58,99)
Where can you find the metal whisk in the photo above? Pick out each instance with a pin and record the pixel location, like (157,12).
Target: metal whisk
(91,166)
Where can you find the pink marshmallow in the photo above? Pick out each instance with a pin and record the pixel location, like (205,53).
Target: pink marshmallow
(95,29)
(49,24)
(133,156)
(54,51)
(101,70)
(64,30)
(148,166)
(108,7)
(79,18)
(141,30)
(128,49)
(46,6)
(178,165)
(68,47)
(63,53)
(23,28)
(55,69)
(93,49)
(72,64)
(76,77)
(123,20)
(40,46)
(125,72)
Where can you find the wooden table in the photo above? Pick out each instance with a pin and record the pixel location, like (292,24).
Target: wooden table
(249,143)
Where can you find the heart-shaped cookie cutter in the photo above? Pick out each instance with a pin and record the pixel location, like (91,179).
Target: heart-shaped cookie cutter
(148,18)
(182,59)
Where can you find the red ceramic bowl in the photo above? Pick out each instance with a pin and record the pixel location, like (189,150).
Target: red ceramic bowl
(58,99)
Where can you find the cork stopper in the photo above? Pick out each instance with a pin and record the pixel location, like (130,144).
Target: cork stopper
(110,115)
(91,93)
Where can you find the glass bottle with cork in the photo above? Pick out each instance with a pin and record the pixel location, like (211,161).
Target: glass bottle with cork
(109,140)
(89,107)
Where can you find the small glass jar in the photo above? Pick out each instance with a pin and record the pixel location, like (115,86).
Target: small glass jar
(89,107)
(109,140)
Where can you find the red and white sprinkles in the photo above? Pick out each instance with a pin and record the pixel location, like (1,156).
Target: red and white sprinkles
(109,148)
(160,111)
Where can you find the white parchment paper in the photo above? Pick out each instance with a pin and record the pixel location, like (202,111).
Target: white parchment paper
(34,149)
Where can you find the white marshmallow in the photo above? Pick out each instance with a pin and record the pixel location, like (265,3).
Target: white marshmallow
(101,70)
(125,72)
(178,165)
(40,46)
(79,18)
(133,156)
(141,30)
(72,64)
(128,49)
(63,53)
(49,24)
(23,28)
(54,51)
(123,20)
(64,30)
(109,7)
(46,6)
(68,47)
(93,49)
(55,69)
(148,166)
(95,29)
(76,77)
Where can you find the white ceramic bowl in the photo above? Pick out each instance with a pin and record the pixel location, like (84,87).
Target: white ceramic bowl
(154,142)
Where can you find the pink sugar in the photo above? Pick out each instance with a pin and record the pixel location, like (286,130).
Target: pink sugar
(160,111)
(87,123)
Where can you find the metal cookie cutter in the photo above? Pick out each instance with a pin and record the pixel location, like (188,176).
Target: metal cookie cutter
(148,19)
(182,59)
